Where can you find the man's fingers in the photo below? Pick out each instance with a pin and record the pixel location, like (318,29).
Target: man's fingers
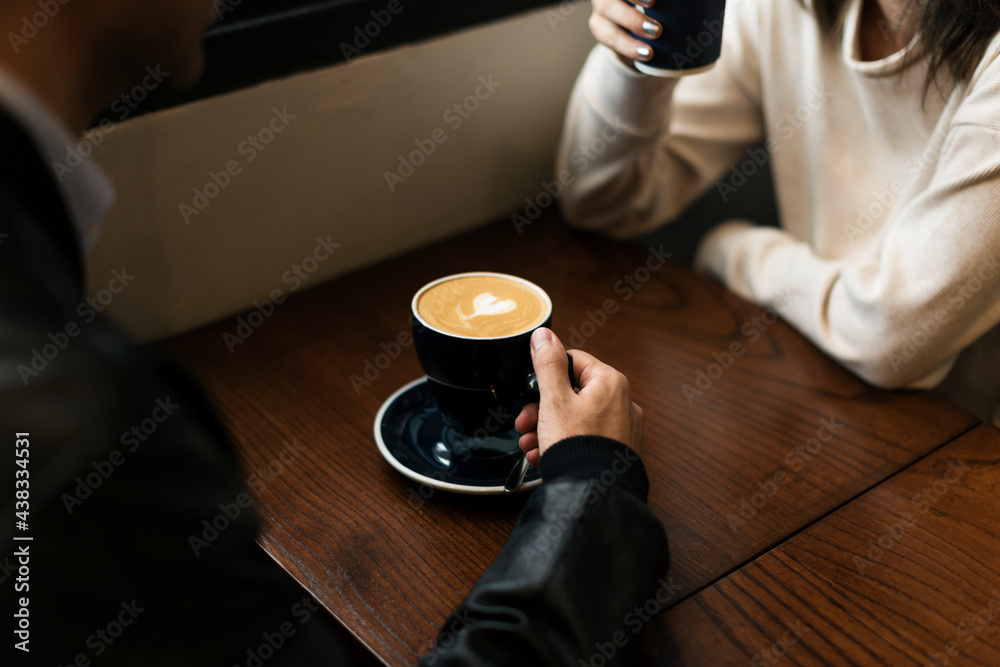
(586,367)
(528,442)
(551,365)
(527,421)
(637,428)
(534,457)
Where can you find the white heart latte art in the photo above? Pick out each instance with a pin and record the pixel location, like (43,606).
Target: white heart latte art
(487,304)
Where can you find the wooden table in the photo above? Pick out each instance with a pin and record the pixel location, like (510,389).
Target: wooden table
(752,435)
(907,574)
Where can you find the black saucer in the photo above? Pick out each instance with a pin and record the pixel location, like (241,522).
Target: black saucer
(412,437)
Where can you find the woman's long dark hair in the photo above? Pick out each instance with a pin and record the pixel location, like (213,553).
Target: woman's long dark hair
(954,33)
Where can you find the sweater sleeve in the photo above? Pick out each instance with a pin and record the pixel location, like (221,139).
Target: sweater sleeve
(900,316)
(637,149)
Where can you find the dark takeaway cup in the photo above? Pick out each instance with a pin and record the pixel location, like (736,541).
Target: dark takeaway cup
(691,40)
(480,384)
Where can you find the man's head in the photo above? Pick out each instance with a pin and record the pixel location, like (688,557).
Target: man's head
(136,34)
(81,54)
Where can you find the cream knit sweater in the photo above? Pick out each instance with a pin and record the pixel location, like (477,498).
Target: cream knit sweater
(888,258)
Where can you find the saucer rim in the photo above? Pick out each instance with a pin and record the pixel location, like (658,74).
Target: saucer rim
(401,468)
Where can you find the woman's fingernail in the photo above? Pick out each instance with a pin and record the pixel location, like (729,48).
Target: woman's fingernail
(645,3)
(651,28)
(643,52)
(540,338)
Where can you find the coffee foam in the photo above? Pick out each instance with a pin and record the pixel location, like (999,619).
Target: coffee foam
(482,306)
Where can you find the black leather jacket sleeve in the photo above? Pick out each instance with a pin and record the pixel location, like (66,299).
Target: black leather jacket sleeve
(584,553)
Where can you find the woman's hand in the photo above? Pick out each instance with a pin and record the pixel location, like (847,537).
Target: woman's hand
(613,20)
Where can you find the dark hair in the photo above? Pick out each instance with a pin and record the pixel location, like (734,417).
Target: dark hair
(954,34)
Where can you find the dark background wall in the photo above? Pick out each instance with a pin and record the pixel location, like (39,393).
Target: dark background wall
(260,40)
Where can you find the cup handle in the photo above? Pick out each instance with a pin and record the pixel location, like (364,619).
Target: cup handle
(531,393)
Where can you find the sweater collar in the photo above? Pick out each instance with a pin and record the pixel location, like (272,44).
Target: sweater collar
(851,47)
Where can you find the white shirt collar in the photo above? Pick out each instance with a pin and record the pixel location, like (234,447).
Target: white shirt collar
(88,192)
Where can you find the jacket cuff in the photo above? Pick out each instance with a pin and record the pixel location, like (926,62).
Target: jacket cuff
(594,457)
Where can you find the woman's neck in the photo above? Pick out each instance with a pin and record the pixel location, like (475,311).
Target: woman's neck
(885,28)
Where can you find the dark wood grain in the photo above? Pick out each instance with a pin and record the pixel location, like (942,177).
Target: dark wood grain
(907,574)
(391,564)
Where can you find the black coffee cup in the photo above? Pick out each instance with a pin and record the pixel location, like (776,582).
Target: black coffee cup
(480,382)
(691,39)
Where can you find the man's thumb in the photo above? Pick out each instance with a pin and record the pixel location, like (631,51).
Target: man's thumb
(551,363)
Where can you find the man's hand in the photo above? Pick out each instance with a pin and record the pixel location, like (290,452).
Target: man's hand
(602,405)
